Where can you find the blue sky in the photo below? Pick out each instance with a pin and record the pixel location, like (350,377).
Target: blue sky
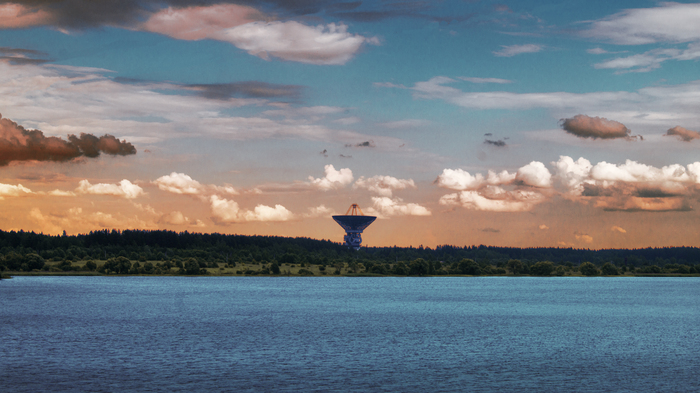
(524,123)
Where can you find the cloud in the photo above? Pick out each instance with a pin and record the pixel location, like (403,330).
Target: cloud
(383,185)
(670,22)
(596,127)
(543,227)
(18,56)
(319,211)
(9,190)
(408,123)
(385,207)
(459,179)
(177,218)
(490,230)
(584,238)
(179,183)
(635,204)
(683,134)
(18,16)
(248,89)
(485,80)
(495,199)
(333,179)
(322,45)
(498,143)
(226,211)
(125,189)
(19,144)
(197,23)
(512,50)
(362,144)
(534,174)
(616,228)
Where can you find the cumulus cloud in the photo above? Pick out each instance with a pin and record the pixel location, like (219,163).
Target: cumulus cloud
(534,174)
(19,144)
(683,134)
(543,227)
(9,190)
(225,211)
(498,200)
(596,127)
(333,179)
(293,41)
(512,50)
(319,211)
(385,207)
(125,189)
(383,185)
(630,186)
(179,183)
(616,228)
(197,23)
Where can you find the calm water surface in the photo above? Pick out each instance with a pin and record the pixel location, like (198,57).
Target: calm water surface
(261,334)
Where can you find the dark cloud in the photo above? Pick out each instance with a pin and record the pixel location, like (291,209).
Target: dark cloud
(20,56)
(84,14)
(362,144)
(19,144)
(344,156)
(488,134)
(597,128)
(683,134)
(490,230)
(498,143)
(324,153)
(224,91)
(251,89)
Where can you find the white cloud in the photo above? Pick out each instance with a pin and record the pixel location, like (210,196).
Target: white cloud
(226,211)
(293,41)
(572,174)
(458,179)
(670,22)
(383,185)
(124,189)
(9,190)
(179,183)
(197,23)
(61,193)
(333,180)
(509,201)
(485,80)
(512,50)
(535,174)
(386,207)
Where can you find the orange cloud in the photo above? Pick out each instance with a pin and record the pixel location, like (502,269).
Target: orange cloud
(17,16)
(198,23)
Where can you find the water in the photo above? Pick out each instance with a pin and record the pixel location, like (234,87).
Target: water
(262,334)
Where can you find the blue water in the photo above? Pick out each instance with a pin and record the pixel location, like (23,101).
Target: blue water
(261,334)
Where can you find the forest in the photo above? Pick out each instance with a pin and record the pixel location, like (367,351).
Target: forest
(166,252)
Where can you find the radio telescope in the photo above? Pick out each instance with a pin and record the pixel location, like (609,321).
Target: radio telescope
(354,224)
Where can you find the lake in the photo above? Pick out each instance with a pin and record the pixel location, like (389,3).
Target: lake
(313,334)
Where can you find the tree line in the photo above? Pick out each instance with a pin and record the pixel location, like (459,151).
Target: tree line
(168,252)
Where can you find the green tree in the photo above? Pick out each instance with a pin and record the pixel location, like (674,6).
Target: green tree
(191,267)
(468,266)
(400,269)
(418,267)
(543,268)
(608,269)
(91,266)
(515,266)
(275,268)
(588,269)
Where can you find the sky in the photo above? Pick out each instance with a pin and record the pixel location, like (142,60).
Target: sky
(511,123)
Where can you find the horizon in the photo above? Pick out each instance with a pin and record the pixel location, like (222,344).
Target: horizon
(513,124)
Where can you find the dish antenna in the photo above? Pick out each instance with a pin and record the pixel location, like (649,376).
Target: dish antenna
(354,224)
